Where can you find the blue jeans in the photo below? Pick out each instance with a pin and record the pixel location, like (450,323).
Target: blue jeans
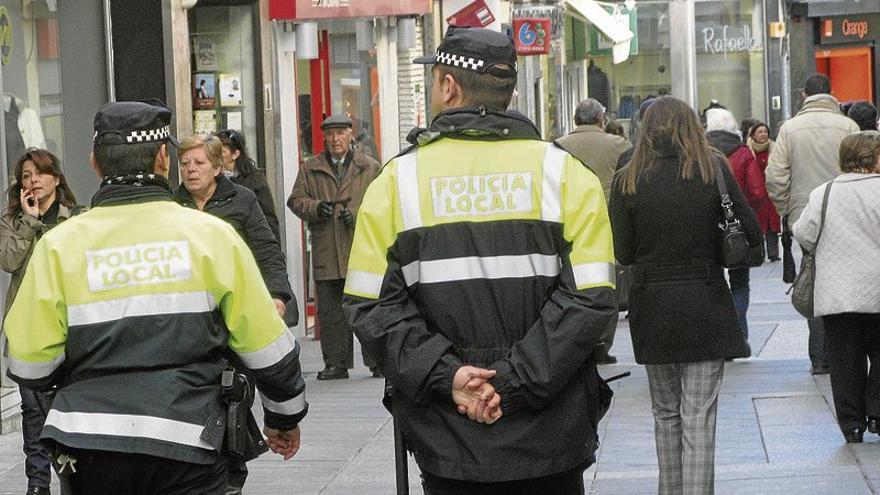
(739,289)
(36,464)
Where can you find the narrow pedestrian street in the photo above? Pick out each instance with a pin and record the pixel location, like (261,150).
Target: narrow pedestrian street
(776,428)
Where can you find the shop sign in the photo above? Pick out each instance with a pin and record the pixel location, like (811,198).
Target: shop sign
(725,39)
(326,9)
(531,36)
(543,11)
(849,29)
(473,13)
(5,35)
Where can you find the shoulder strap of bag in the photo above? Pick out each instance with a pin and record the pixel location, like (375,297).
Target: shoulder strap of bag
(726,203)
(824,209)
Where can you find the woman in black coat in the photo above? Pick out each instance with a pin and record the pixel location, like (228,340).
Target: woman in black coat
(206,189)
(243,170)
(665,211)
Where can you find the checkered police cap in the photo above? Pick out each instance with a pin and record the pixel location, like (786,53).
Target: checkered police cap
(132,122)
(476,49)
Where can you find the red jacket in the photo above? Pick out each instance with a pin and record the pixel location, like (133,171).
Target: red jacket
(748,176)
(767,216)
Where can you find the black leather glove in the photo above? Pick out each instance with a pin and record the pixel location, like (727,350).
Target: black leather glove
(347,218)
(325,210)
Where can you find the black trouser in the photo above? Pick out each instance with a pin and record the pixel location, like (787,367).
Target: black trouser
(772,240)
(37,466)
(853,339)
(115,473)
(564,483)
(337,340)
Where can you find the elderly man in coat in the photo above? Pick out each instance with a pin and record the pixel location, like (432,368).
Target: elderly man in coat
(327,194)
(804,157)
(599,151)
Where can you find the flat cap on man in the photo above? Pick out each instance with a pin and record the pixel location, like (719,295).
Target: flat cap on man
(133,122)
(476,49)
(337,121)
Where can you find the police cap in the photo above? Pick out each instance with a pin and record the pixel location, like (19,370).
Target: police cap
(132,122)
(476,49)
(338,121)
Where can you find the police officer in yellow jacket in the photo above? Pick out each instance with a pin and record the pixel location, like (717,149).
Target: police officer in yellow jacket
(481,279)
(128,309)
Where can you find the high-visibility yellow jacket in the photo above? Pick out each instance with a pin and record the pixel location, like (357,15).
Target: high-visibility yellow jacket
(127,308)
(486,246)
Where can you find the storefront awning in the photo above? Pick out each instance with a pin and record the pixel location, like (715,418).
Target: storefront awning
(617,32)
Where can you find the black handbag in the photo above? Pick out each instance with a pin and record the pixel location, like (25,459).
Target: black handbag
(803,287)
(734,245)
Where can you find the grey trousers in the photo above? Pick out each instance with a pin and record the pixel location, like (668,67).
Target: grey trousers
(684,400)
(337,339)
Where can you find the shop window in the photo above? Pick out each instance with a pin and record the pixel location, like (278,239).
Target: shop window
(646,73)
(32,108)
(730,56)
(226,78)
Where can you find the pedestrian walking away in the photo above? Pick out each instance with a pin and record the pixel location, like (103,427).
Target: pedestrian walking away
(805,156)
(665,210)
(723,135)
(839,225)
(327,195)
(37,200)
(128,308)
(481,280)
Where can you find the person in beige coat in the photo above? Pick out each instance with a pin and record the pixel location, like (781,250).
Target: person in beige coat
(327,194)
(38,200)
(598,150)
(805,156)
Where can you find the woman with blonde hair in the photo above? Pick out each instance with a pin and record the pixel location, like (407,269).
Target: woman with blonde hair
(665,210)
(840,225)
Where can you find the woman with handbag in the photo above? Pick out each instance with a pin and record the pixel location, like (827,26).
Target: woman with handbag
(839,226)
(665,210)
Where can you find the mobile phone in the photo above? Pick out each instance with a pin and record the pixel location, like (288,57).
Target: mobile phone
(30,201)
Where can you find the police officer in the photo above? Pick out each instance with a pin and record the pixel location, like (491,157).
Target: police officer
(128,308)
(481,279)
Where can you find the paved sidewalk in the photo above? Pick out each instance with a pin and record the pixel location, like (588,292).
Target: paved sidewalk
(776,428)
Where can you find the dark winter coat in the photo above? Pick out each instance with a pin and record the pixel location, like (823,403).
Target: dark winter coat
(680,308)
(316,182)
(743,165)
(239,206)
(255,180)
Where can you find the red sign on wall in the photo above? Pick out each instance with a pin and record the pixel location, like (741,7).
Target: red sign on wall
(531,35)
(325,9)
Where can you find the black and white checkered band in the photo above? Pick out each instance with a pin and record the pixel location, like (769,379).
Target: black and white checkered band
(454,60)
(149,136)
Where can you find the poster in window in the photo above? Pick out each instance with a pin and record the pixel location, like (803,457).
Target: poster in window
(204,121)
(233,121)
(206,55)
(230,90)
(204,95)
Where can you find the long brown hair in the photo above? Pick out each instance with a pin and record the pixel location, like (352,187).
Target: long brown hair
(46,163)
(670,127)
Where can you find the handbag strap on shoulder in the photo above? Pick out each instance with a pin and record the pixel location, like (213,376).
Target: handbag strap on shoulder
(824,209)
(726,202)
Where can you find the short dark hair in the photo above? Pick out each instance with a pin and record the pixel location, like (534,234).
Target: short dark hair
(817,84)
(859,151)
(492,89)
(126,159)
(863,113)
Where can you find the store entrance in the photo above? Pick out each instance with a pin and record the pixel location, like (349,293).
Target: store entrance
(850,70)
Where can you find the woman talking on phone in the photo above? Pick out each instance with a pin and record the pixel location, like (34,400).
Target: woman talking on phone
(38,199)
